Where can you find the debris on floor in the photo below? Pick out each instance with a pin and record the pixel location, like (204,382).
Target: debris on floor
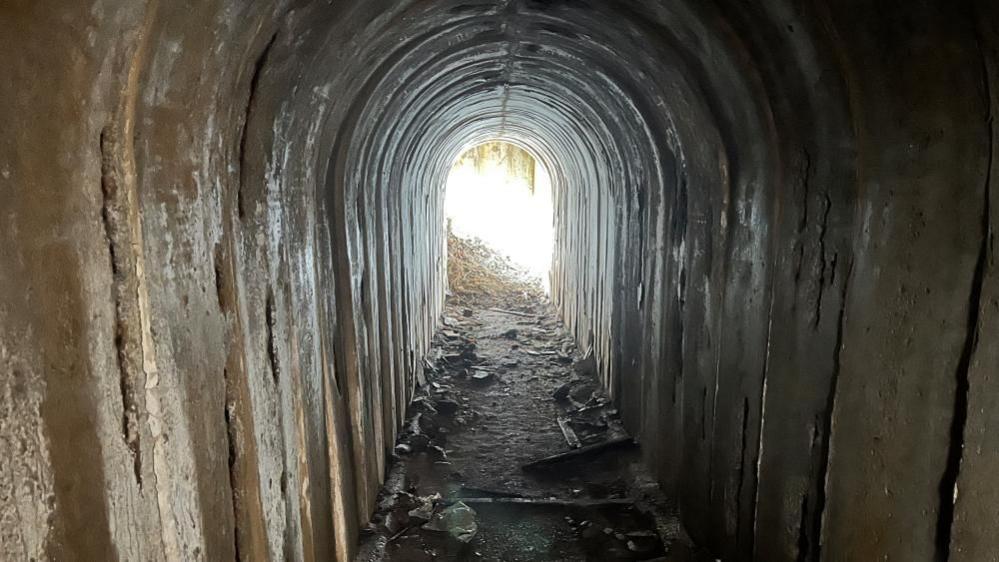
(581,453)
(512,450)
(480,275)
(457,520)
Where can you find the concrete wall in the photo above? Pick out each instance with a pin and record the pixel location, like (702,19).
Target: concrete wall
(222,260)
(791,291)
(208,329)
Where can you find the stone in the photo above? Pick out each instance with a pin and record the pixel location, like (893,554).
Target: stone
(446,406)
(418,443)
(562,392)
(581,391)
(587,366)
(483,377)
(457,520)
(426,505)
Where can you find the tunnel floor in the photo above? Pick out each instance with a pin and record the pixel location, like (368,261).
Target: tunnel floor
(497,383)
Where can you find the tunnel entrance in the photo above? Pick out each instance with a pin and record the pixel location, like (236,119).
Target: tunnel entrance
(498,208)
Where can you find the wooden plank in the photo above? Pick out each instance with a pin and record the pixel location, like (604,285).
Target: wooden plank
(582,452)
(552,502)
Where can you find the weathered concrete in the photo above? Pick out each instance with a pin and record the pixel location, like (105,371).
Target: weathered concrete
(185,344)
(223,259)
(790,300)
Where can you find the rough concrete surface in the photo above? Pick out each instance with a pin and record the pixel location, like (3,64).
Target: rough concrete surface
(222,260)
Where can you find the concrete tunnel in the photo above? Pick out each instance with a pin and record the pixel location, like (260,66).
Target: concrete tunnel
(223,259)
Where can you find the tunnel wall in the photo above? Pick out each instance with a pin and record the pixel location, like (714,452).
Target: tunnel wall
(223,260)
(209,329)
(793,319)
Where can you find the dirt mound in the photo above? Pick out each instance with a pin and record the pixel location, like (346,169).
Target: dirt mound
(478,274)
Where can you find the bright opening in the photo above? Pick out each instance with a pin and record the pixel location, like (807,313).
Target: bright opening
(498,193)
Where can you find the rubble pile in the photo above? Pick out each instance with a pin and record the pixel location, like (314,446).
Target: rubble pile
(479,274)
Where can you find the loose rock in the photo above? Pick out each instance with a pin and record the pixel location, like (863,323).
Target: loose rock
(446,407)
(458,521)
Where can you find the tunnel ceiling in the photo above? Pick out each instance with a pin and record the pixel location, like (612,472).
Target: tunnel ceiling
(430,80)
(224,260)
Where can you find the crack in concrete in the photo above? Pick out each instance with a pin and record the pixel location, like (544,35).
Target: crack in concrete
(822,481)
(258,66)
(232,437)
(955,452)
(743,445)
(272,352)
(823,263)
(803,543)
(117,241)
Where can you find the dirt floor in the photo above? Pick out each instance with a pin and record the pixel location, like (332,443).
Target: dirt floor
(462,486)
